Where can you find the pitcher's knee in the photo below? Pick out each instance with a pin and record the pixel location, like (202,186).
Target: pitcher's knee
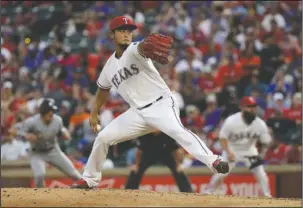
(102,139)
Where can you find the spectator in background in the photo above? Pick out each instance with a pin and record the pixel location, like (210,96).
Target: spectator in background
(261,101)
(219,27)
(273,15)
(229,50)
(278,103)
(279,125)
(278,34)
(93,26)
(189,63)
(33,59)
(32,105)
(255,83)
(211,53)
(212,113)
(65,112)
(207,82)
(295,112)
(184,21)
(78,118)
(7,121)
(249,61)
(281,93)
(204,24)
(271,58)
(6,56)
(7,96)
(298,83)
(13,149)
(276,153)
(230,102)
(193,120)
(196,35)
(279,84)
(229,73)
(294,153)
(101,8)
(19,100)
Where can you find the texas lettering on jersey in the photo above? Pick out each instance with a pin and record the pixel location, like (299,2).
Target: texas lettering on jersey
(124,74)
(235,136)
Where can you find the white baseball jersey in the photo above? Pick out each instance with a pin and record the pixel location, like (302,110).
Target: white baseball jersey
(241,137)
(134,77)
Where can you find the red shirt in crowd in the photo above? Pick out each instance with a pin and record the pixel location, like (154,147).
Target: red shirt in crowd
(253,61)
(196,122)
(93,61)
(228,74)
(93,28)
(294,113)
(208,83)
(277,155)
(205,48)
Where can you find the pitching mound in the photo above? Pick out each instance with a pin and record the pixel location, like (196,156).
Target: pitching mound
(27,197)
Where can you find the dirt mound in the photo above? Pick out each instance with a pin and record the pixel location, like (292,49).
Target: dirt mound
(29,197)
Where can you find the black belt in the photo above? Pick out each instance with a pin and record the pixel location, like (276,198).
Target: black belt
(146,106)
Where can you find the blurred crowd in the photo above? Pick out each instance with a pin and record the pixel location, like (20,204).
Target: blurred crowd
(222,51)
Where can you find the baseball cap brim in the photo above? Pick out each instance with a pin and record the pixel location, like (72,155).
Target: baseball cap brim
(55,108)
(129,26)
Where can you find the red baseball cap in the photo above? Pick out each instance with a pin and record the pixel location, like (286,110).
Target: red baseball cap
(248,101)
(122,21)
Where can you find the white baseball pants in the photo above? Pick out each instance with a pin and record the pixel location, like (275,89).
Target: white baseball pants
(259,173)
(162,115)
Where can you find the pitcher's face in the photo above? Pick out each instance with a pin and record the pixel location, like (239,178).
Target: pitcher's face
(122,37)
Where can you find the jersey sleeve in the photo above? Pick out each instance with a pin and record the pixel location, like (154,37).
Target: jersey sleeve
(102,82)
(133,48)
(225,129)
(61,126)
(265,137)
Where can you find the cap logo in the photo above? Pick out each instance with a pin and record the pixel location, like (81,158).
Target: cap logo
(125,19)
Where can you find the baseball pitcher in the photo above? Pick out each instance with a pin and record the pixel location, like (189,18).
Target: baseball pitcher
(42,130)
(238,137)
(131,72)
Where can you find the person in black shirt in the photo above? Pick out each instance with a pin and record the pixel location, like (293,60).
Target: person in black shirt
(271,58)
(155,148)
(230,99)
(284,130)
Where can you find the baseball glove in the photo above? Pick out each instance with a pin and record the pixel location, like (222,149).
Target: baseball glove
(156,47)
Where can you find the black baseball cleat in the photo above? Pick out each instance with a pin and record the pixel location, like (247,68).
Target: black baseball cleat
(80,184)
(221,166)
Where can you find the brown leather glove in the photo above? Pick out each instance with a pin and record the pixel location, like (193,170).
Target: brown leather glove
(156,47)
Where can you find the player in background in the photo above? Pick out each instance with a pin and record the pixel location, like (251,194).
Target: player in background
(168,153)
(42,130)
(131,72)
(238,137)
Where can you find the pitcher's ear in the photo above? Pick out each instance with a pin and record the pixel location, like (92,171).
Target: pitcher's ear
(111,34)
